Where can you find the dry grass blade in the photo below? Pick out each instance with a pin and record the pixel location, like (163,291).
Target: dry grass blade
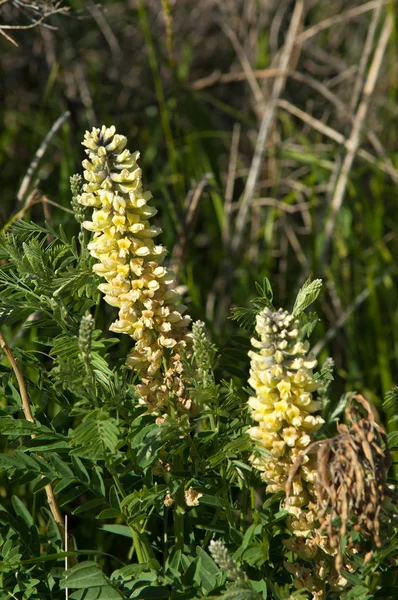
(352,13)
(354,138)
(111,39)
(365,56)
(254,172)
(246,66)
(184,232)
(229,190)
(314,123)
(39,154)
(234,77)
(225,78)
(386,166)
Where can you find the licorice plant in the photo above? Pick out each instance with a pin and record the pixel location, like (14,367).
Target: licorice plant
(184,473)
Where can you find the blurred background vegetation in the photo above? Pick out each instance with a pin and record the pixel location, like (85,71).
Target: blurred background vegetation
(267,131)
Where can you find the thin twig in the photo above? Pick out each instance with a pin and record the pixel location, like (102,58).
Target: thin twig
(275,27)
(341,77)
(312,121)
(18,27)
(265,127)
(183,234)
(335,299)
(229,190)
(36,23)
(377,145)
(247,68)
(55,511)
(80,76)
(321,88)
(283,262)
(39,154)
(283,206)
(9,38)
(337,137)
(352,13)
(217,77)
(367,49)
(21,383)
(111,39)
(354,139)
(35,197)
(295,244)
(234,77)
(46,200)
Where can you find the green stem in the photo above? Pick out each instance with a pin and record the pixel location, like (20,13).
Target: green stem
(212,422)
(165,536)
(209,533)
(137,545)
(228,502)
(134,533)
(252,498)
(179,510)
(245,493)
(179,523)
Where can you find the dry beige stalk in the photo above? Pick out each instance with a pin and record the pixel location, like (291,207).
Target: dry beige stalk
(52,502)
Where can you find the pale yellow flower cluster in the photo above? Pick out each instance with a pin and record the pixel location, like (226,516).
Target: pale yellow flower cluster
(284,407)
(191,497)
(282,377)
(150,310)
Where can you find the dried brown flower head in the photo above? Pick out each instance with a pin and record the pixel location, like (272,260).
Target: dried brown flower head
(351,483)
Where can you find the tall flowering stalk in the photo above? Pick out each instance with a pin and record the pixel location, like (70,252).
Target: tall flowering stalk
(284,407)
(136,282)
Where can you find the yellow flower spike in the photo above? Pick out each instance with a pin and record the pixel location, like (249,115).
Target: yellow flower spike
(150,310)
(281,375)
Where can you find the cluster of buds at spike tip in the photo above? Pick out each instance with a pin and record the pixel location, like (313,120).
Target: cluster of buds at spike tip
(130,261)
(283,406)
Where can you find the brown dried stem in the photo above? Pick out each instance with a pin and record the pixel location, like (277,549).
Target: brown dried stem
(188,219)
(52,502)
(45,14)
